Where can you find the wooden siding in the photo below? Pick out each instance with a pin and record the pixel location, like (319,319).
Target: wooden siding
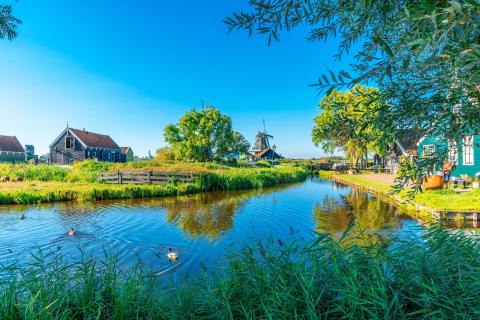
(461,168)
(10,156)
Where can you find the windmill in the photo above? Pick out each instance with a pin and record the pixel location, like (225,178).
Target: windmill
(262,140)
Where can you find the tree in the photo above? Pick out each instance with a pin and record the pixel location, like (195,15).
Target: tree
(422,55)
(206,135)
(8,23)
(344,123)
(164,154)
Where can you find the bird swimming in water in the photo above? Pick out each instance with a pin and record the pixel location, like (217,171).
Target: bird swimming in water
(22,217)
(72,232)
(172,256)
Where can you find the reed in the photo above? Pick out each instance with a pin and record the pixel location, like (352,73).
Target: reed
(436,276)
(231,179)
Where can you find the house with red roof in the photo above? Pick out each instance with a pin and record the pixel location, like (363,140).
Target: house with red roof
(78,145)
(11,150)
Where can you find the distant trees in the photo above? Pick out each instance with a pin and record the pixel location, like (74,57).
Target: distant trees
(164,154)
(345,122)
(8,23)
(205,135)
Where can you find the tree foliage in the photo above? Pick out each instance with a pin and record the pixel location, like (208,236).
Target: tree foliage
(345,123)
(424,56)
(8,23)
(205,135)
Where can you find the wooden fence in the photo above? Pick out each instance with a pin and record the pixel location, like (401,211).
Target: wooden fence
(143,177)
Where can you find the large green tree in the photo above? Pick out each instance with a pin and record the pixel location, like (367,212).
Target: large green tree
(8,23)
(205,135)
(345,123)
(424,56)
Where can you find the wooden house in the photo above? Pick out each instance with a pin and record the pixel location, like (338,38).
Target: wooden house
(127,153)
(11,150)
(77,145)
(464,154)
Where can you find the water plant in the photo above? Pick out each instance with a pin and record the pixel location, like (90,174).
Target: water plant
(435,276)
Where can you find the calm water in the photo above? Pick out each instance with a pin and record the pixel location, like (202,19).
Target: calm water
(200,227)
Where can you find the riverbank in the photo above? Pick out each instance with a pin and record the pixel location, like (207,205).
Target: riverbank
(445,204)
(433,276)
(34,191)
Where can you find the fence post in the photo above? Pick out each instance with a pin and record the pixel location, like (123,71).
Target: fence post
(119,177)
(149,177)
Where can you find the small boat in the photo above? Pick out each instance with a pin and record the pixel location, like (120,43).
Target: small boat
(72,232)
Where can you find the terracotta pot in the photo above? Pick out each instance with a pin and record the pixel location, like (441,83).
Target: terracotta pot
(433,182)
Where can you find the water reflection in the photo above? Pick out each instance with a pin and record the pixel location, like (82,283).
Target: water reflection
(201,227)
(374,219)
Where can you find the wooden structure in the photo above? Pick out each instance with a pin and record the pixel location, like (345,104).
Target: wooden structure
(127,153)
(144,177)
(11,150)
(262,149)
(77,145)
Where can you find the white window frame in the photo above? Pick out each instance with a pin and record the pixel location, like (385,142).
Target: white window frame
(468,151)
(453,152)
(432,150)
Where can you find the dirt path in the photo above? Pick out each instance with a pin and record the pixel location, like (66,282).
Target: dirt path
(380,177)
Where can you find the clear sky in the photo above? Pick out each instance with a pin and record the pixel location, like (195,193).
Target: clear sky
(129,68)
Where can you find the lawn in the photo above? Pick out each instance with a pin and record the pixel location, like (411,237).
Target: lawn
(435,199)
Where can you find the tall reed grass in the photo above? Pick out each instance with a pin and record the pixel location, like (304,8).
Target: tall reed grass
(436,276)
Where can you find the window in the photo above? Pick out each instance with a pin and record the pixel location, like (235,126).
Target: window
(468,150)
(428,150)
(452,152)
(69,142)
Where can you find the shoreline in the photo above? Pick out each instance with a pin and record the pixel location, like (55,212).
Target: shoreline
(36,192)
(411,207)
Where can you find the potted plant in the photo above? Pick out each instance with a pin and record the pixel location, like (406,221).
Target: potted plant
(466,179)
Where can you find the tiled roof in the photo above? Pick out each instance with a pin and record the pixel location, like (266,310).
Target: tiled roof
(96,140)
(8,143)
(124,149)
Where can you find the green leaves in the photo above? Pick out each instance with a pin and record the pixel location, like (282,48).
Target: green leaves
(204,136)
(8,23)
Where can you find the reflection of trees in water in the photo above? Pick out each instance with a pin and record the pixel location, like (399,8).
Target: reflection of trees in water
(209,214)
(333,216)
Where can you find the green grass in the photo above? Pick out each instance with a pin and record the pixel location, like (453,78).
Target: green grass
(29,192)
(435,199)
(436,276)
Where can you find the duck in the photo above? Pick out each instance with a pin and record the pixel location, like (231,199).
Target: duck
(72,232)
(172,256)
(22,217)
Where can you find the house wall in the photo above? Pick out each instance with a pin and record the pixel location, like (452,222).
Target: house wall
(129,155)
(104,154)
(461,168)
(9,156)
(60,155)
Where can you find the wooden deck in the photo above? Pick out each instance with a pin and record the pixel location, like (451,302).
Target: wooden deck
(144,177)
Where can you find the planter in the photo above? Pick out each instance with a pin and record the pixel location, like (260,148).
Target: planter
(433,182)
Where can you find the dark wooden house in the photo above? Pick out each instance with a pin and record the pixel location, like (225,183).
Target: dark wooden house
(77,145)
(11,149)
(127,153)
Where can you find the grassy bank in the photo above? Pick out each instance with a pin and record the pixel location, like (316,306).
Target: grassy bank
(435,199)
(29,192)
(434,277)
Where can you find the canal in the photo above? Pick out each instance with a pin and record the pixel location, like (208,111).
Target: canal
(201,228)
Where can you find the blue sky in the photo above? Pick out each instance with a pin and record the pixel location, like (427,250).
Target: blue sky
(129,68)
